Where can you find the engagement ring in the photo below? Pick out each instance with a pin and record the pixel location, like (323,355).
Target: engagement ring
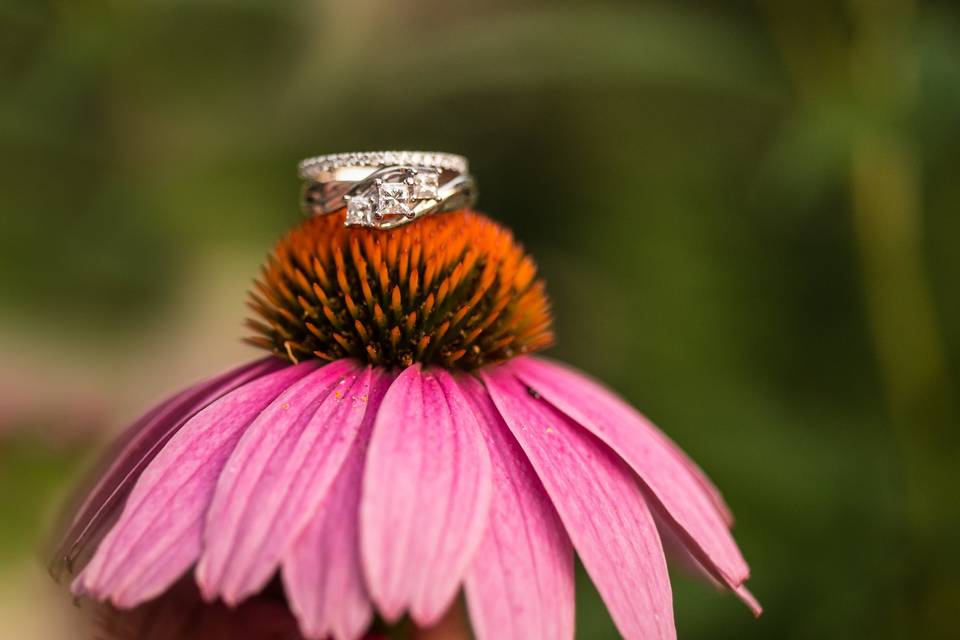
(385,189)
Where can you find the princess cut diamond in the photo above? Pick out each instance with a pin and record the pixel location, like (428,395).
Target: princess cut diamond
(394,199)
(425,184)
(359,211)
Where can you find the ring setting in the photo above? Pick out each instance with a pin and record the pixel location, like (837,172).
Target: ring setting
(392,196)
(385,189)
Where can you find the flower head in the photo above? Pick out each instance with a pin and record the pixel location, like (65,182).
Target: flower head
(404,446)
(454,290)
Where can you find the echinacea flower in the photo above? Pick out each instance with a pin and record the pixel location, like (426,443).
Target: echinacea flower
(398,445)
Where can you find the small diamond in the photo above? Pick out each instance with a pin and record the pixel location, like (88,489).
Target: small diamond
(359,210)
(394,199)
(425,185)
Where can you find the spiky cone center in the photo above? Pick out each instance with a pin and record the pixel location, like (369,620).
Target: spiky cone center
(454,290)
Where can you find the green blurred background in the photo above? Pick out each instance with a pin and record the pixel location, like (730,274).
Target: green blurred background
(746,213)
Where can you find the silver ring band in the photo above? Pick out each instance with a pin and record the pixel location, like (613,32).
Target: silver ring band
(385,189)
(327,167)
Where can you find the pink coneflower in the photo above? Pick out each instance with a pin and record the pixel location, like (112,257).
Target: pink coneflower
(401,444)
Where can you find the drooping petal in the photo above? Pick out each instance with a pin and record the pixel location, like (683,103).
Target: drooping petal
(322,572)
(131,453)
(569,374)
(678,551)
(600,504)
(159,533)
(520,583)
(676,492)
(750,600)
(564,374)
(276,478)
(426,495)
(678,554)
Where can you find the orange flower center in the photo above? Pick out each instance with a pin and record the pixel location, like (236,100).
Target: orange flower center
(454,290)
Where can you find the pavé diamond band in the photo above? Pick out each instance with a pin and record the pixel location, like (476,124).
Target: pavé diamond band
(385,189)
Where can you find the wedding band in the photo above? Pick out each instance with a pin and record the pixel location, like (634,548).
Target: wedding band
(385,189)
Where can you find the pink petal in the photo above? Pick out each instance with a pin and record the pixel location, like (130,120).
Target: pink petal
(744,594)
(600,504)
(426,495)
(158,535)
(276,478)
(125,460)
(568,375)
(520,583)
(678,551)
(322,572)
(676,492)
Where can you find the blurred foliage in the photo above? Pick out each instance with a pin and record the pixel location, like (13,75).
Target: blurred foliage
(45,467)
(746,213)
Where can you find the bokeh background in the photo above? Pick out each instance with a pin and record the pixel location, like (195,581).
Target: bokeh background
(746,213)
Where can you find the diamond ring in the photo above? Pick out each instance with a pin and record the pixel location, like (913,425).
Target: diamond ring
(385,189)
